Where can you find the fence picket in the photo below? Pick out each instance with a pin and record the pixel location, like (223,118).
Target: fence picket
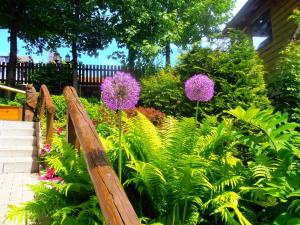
(101,74)
(2,67)
(97,75)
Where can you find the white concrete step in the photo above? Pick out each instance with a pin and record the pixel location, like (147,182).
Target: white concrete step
(16,124)
(18,147)
(20,151)
(17,132)
(18,165)
(17,141)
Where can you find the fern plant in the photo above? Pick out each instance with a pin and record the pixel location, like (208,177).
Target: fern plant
(211,173)
(274,168)
(71,201)
(241,170)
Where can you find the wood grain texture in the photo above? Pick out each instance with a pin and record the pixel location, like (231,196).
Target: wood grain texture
(283,29)
(47,98)
(115,206)
(71,135)
(46,102)
(11,113)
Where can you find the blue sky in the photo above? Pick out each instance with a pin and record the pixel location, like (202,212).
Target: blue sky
(103,55)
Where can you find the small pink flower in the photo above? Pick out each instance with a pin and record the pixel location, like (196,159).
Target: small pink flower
(59,130)
(50,173)
(42,151)
(47,148)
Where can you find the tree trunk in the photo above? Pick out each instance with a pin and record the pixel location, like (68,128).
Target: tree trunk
(75,5)
(131,58)
(168,54)
(74,65)
(11,70)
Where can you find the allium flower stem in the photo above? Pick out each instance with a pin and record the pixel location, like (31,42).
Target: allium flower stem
(197,108)
(116,119)
(120,146)
(184,210)
(174,216)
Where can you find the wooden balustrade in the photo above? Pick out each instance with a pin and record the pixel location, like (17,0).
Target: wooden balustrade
(112,198)
(46,102)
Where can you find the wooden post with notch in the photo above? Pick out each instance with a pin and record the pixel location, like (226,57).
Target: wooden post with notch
(71,135)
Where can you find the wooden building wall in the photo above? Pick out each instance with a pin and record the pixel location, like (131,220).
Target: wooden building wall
(282,29)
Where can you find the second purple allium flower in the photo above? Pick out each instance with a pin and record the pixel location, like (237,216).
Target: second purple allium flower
(199,88)
(120,91)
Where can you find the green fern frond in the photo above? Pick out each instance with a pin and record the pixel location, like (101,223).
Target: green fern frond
(62,214)
(17,214)
(193,216)
(143,137)
(182,138)
(259,196)
(294,207)
(153,180)
(223,203)
(230,159)
(263,167)
(231,181)
(274,126)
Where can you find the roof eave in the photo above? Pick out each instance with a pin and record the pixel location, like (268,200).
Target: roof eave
(239,19)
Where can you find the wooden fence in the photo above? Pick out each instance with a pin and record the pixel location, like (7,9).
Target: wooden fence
(87,74)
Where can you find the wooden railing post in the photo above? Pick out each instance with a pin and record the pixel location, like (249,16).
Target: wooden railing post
(71,134)
(49,131)
(46,101)
(112,198)
(42,106)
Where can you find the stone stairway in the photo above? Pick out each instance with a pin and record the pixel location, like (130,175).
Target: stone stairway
(18,147)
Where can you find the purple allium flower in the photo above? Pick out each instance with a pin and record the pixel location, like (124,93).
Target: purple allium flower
(120,91)
(199,88)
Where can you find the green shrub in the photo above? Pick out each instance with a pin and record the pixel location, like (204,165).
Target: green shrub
(19,100)
(55,77)
(164,91)
(237,72)
(284,88)
(60,107)
(91,106)
(154,115)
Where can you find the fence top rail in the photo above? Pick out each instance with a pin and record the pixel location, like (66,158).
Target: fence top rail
(112,198)
(48,100)
(108,67)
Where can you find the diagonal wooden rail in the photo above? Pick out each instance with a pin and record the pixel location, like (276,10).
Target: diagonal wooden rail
(112,198)
(46,102)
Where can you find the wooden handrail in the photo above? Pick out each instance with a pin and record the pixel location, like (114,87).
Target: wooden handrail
(112,198)
(3,87)
(46,101)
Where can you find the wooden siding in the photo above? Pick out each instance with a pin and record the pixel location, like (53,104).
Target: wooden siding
(283,30)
